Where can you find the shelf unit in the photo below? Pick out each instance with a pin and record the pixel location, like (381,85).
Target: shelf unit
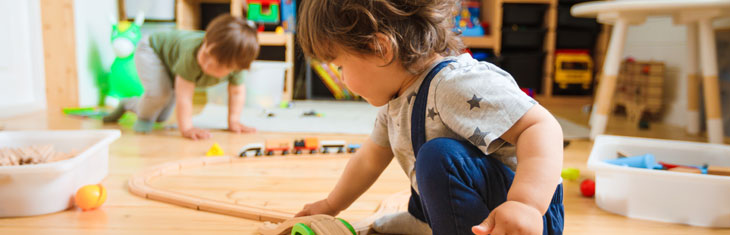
(188,17)
(491,11)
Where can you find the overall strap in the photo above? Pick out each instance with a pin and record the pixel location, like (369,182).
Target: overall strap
(418,115)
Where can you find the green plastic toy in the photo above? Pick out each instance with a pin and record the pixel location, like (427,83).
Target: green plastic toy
(256,11)
(303,229)
(570,173)
(123,79)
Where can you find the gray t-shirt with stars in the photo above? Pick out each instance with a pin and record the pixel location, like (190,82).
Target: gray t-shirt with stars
(467,100)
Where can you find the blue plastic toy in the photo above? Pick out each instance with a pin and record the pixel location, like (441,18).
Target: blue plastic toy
(468,19)
(646,161)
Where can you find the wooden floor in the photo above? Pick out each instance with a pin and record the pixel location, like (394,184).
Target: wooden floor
(124,213)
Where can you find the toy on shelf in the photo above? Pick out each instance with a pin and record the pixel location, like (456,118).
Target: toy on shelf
(256,148)
(264,11)
(307,144)
(639,89)
(310,225)
(90,197)
(289,15)
(588,188)
(282,145)
(215,150)
(123,79)
(468,19)
(573,67)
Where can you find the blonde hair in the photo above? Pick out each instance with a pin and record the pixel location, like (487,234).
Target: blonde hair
(233,42)
(415,29)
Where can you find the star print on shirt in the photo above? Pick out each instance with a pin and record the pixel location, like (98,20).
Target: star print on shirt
(474,102)
(432,113)
(478,137)
(411,96)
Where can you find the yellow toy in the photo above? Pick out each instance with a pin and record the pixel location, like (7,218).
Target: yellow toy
(215,151)
(90,197)
(573,67)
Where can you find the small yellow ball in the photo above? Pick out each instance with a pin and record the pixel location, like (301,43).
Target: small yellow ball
(90,197)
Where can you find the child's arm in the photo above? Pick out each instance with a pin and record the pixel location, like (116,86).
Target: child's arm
(360,173)
(184,90)
(539,141)
(236,99)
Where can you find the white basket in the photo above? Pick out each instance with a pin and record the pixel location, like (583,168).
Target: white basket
(675,197)
(46,188)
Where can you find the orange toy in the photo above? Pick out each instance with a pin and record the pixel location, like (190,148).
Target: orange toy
(90,197)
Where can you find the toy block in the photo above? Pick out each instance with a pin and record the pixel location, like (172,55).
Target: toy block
(718,170)
(215,150)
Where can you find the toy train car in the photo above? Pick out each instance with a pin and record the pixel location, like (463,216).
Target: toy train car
(284,146)
(307,144)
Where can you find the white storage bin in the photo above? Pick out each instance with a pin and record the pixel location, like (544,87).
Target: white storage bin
(694,199)
(46,188)
(265,84)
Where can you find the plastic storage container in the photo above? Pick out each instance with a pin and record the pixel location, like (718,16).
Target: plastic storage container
(523,38)
(46,188)
(526,68)
(694,199)
(575,39)
(565,19)
(523,14)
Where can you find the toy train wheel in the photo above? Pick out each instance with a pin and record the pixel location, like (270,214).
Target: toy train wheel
(269,153)
(340,150)
(312,151)
(285,152)
(325,151)
(301,229)
(258,153)
(243,154)
(350,150)
(298,151)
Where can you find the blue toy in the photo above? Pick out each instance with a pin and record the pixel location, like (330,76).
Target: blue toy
(646,161)
(468,19)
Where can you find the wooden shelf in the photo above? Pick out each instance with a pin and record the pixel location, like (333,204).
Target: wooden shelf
(479,42)
(528,1)
(273,39)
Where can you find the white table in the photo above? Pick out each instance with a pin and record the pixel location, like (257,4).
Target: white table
(697,15)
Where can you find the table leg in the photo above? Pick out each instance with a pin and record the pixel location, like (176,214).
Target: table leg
(607,84)
(693,82)
(710,82)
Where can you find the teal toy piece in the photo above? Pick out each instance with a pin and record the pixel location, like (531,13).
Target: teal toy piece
(642,161)
(123,79)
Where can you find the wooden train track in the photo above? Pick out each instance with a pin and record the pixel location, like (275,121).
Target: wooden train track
(139,184)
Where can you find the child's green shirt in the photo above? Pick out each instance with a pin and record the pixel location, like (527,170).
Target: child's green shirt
(178,50)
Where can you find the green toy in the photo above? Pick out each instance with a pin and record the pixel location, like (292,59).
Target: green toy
(123,79)
(303,229)
(570,173)
(257,12)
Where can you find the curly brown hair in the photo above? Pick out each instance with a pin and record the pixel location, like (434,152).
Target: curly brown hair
(415,29)
(233,42)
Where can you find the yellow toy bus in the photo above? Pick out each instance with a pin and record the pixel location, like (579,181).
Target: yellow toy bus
(573,67)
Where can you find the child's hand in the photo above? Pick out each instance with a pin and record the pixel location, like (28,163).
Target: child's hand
(318,207)
(196,134)
(511,217)
(238,128)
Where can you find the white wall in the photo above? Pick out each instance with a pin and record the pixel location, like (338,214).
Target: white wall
(94,54)
(22,80)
